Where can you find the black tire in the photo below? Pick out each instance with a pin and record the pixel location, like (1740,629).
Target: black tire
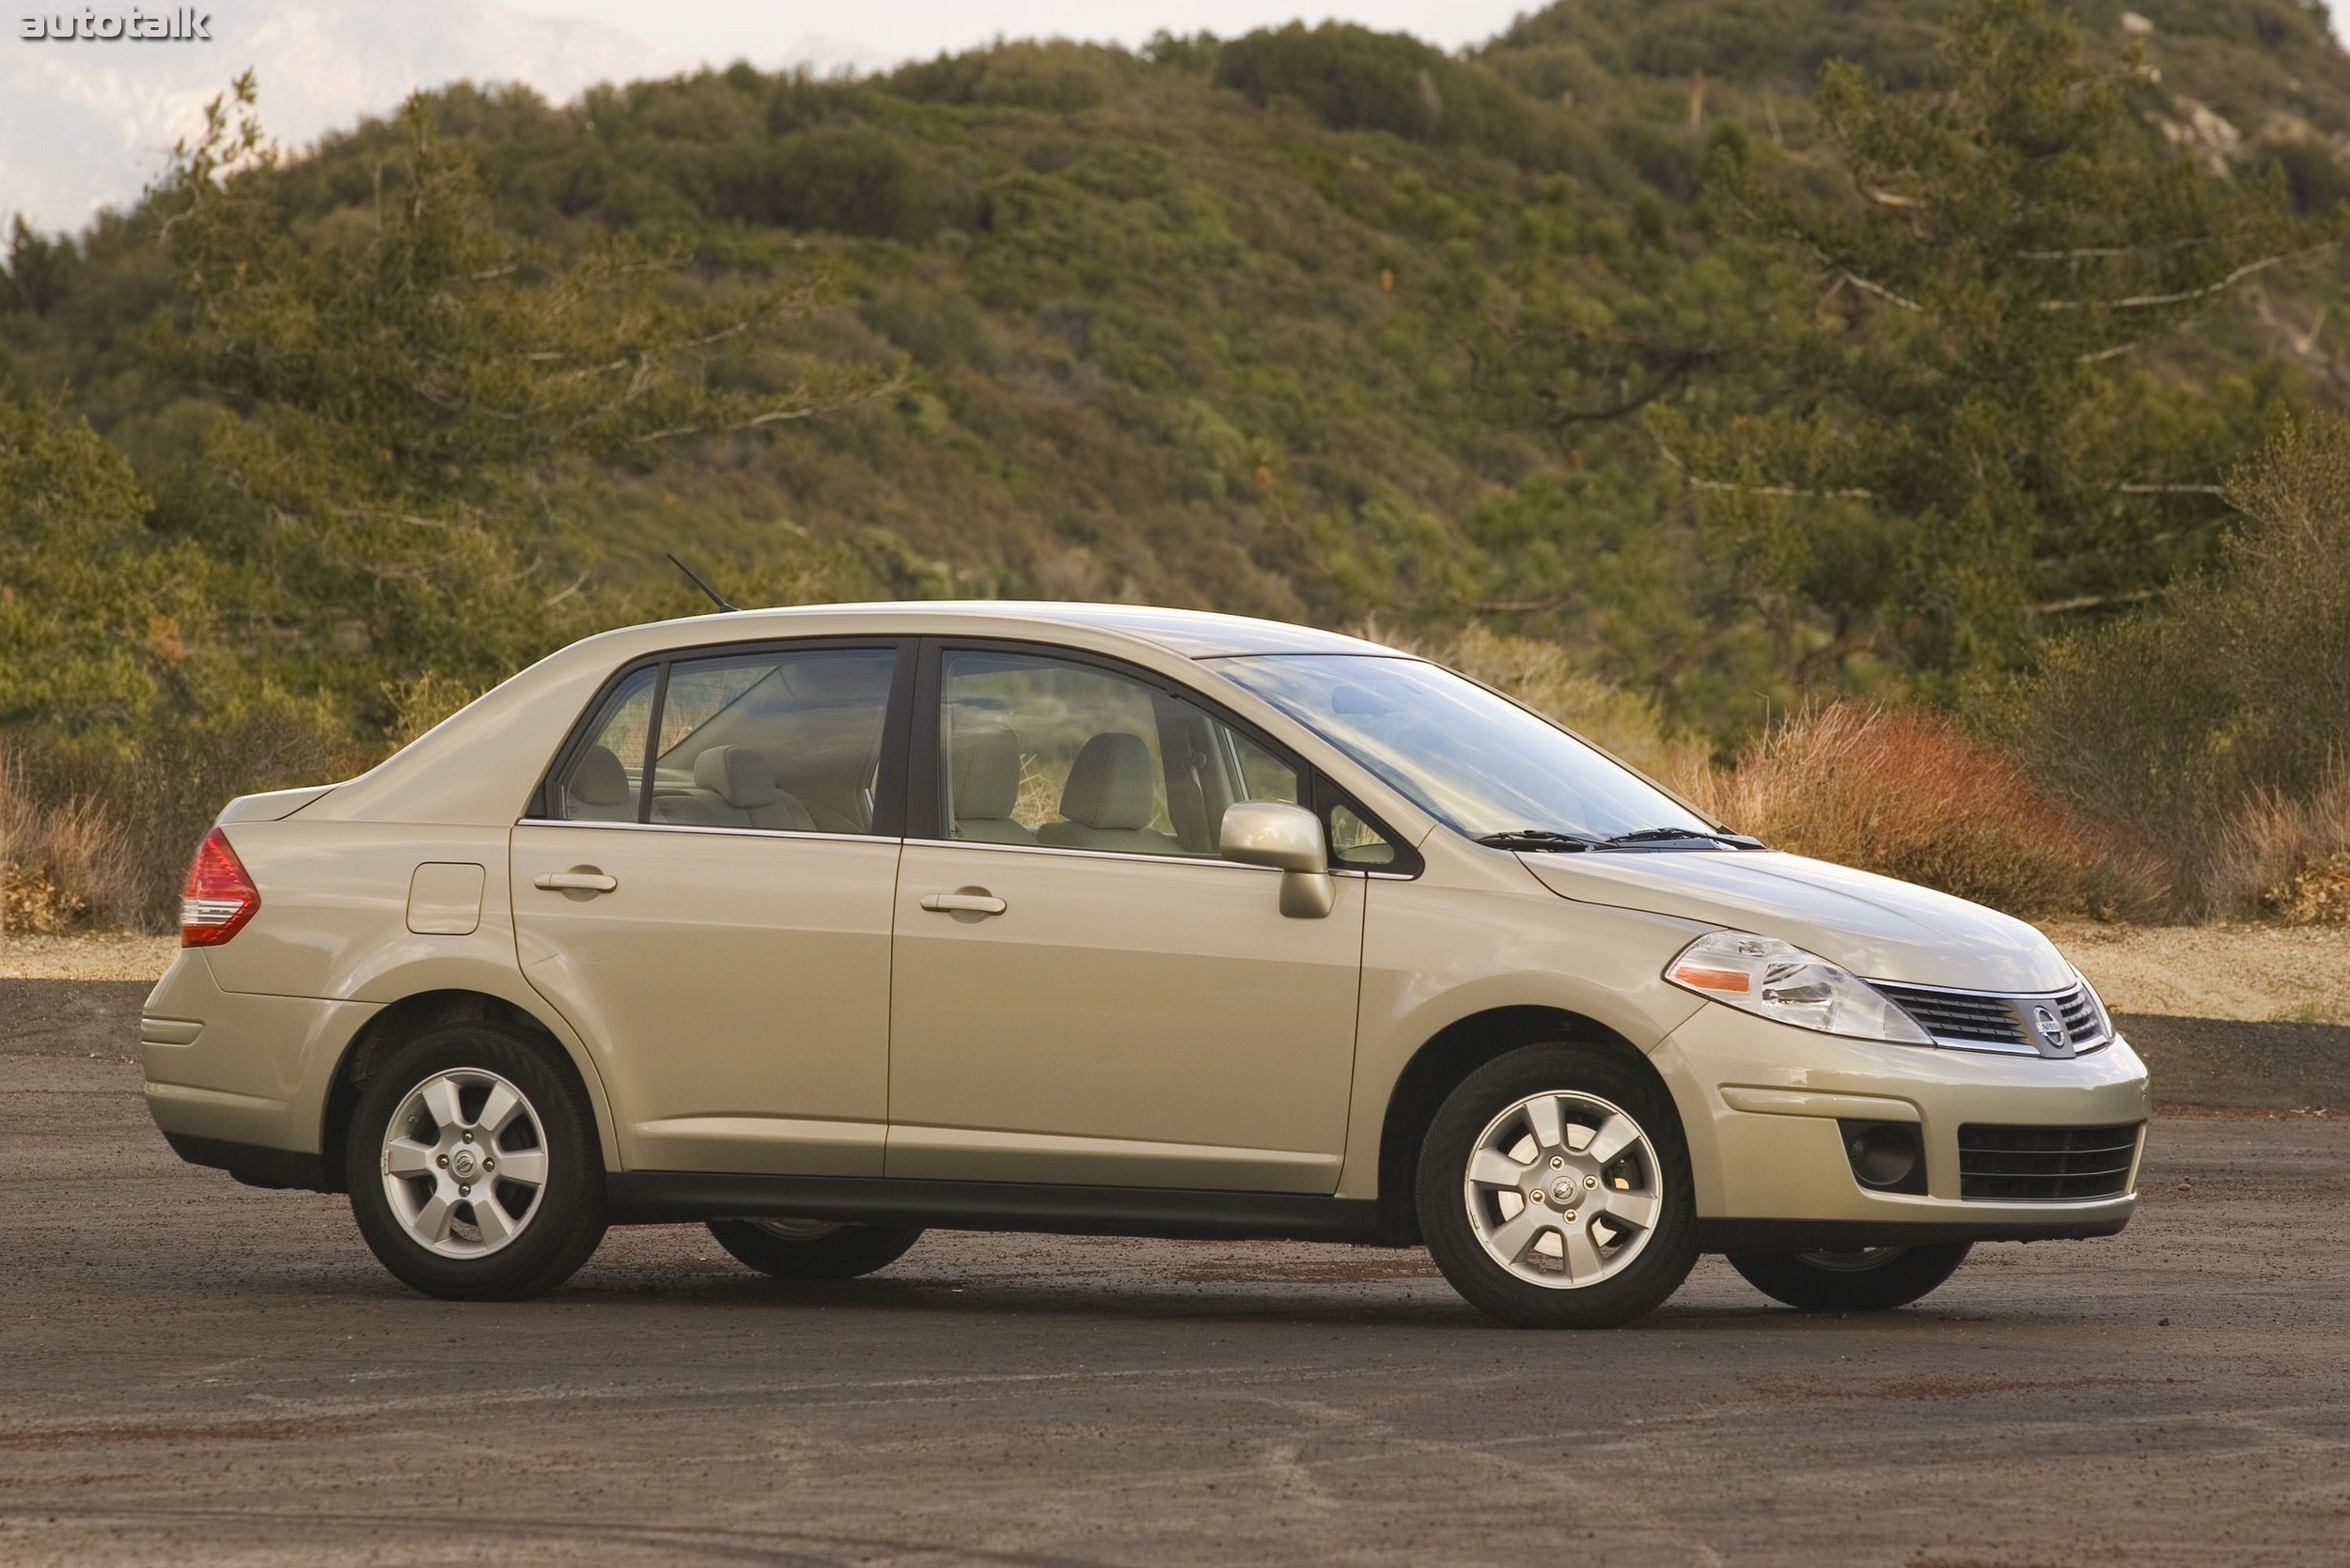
(1643,1282)
(838,1252)
(554,1236)
(1876,1279)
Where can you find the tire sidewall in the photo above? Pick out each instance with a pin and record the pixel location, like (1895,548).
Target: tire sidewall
(851,1251)
(1910,1276)
(570,1219)
(1566,1068)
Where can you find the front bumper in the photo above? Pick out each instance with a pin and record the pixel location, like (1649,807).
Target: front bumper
(1761,1102)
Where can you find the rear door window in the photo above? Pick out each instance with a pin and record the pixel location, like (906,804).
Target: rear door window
(783,740)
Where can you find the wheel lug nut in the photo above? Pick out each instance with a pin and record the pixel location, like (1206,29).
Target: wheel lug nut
(489,1165)
(1538,1196)
(467,1191)
(1570,1216)
(1591,1181)
(1557,1163)
(444,1159)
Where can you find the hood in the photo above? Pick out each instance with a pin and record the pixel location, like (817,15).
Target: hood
(1875,927)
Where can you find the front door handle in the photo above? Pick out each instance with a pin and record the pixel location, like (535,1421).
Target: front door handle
(579,879)
(969,901)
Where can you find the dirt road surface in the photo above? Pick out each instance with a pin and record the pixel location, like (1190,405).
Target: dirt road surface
(193,1372)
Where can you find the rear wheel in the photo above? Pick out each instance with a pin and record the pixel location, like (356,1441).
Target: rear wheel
(813,1248)
(473,1165)
(1862,1279)
(1553,1189)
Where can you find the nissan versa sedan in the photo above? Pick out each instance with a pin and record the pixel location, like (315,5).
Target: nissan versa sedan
(822,926)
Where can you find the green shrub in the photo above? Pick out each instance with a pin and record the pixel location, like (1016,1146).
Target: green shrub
(1060,77)
(2233,693)
(839,178)
(1354,79)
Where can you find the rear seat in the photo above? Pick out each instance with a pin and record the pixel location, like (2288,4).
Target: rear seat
(734,786)
(598,789)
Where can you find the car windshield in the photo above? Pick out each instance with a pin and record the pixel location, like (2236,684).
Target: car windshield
(1475,761)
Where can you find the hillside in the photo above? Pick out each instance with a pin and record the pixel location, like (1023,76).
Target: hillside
(1245,325)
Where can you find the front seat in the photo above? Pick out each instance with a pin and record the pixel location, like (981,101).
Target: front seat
(1107,800)
(734,786)
(983,770)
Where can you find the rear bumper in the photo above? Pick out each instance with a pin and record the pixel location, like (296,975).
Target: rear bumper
(1761,1102)
(235,1069)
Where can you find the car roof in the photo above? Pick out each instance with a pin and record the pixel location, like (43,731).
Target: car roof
(1192,634)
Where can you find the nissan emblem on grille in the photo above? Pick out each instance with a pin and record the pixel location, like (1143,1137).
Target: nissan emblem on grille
(2050,1030)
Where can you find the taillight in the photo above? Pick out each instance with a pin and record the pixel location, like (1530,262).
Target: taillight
(219,898)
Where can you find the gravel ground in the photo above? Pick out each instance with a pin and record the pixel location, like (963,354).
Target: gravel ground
(87,955)
(193,1372)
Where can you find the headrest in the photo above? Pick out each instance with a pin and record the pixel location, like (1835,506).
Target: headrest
(739,775)
(1110,784)
(983,760)
(597,778)
(833,677)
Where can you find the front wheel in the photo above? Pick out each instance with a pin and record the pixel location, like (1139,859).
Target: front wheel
(1553,1189)
(813,1248)
(1863,1279)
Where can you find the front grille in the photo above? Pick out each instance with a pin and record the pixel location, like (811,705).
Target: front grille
(1985,1021)
(2044,1165)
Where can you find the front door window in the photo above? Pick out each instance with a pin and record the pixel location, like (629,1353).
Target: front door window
(1039,750)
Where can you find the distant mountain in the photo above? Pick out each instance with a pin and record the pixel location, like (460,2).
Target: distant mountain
(87,124)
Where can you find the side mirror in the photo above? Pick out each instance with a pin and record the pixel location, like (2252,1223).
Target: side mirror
(1289,839)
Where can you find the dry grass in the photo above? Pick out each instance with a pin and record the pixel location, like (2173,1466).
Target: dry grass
(2258,973)
(1912,795)
(61,866)
(2289,859)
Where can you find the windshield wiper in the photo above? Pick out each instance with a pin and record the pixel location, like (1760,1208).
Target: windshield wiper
(1539,839)
(1673,834)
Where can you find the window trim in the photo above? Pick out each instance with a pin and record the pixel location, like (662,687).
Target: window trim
(925,819)
(889,773)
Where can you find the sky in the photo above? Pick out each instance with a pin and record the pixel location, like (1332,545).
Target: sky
(884,32)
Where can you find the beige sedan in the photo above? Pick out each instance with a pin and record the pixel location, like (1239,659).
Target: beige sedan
(821,926)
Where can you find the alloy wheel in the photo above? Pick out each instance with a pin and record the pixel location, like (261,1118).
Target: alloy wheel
(464,1163)
(1563,1189)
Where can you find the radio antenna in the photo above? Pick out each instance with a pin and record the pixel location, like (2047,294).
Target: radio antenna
(695,578)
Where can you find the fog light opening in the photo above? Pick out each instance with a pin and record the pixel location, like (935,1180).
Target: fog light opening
(1886,1156)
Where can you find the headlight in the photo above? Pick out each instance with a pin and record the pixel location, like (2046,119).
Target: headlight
(1779,980)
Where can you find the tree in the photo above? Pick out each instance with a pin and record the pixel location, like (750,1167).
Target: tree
(101,626)
(1982,418)
(405,383)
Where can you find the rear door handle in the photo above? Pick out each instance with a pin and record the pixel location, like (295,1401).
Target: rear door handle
(969,901)
(584,879)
